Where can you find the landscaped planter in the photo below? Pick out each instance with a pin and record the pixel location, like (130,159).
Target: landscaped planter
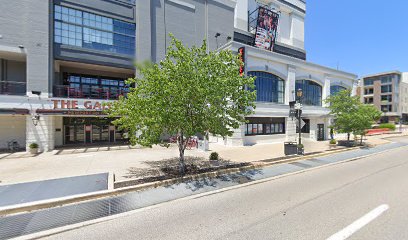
(301,151)
(345,143)
(331,146)
(33,148)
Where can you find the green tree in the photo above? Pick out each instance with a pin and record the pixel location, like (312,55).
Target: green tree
(191,91)
(343,106)
(350,115)
(363,118)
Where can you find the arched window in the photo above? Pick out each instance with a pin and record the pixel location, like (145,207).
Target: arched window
(336,88)
(312,92)
(269,87)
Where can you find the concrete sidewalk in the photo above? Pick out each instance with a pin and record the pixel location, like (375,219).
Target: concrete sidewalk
(16,169)
(35,221)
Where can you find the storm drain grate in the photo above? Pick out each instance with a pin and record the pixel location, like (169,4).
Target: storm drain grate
(301,165)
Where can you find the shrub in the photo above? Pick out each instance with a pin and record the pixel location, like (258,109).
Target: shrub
(333,141)
(300,146)
(390,126)
(214,156)
(33,145)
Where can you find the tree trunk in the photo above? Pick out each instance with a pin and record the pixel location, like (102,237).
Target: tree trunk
(348,138)
(361,140)
(181,145)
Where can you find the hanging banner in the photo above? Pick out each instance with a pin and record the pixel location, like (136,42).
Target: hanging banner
(266,28)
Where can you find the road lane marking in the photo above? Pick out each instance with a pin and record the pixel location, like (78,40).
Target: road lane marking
(359,223)
(85,155)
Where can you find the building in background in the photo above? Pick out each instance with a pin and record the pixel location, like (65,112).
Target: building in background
(388,91)
(276,55)
(61,60)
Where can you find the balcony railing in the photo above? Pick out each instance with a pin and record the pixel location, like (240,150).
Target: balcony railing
(91,92)
(13,88)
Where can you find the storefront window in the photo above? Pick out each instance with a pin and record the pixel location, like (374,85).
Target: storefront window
(312,92)
(265,126)
(91,130)
(269,88)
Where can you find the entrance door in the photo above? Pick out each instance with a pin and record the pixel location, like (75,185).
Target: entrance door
(111,133)
(320,132)
(88,134)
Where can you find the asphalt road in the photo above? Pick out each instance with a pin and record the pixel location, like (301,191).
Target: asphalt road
(363,199)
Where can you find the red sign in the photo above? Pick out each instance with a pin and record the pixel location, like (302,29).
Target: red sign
(73,104)
(241,56)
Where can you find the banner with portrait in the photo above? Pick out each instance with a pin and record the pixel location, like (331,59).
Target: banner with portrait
(266,28)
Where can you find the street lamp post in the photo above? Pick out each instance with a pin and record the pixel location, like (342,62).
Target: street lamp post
(299,94)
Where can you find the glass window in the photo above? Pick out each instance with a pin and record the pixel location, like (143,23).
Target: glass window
(368,81)
(266,128)
(269,88)
(93,31)
(386,88)
(386,108)
(386,98)
(93,87)
(386,79)
(368,91)
(336,89)
(368,100)
(312,92)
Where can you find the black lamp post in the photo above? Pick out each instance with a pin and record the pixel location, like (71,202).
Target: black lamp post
(299,94)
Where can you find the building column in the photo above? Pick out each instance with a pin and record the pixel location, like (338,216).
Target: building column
(326,90)
(237,138)
(291,135)
(42,134)
(290,84)
(144,30)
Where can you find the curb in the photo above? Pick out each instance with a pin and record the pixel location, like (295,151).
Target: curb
(57,202)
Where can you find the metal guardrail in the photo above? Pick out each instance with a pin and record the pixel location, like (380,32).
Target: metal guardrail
(91,92)
(13,88)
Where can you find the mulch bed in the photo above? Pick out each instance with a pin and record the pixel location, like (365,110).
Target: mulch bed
(170,168)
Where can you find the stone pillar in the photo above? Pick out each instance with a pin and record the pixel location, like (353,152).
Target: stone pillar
(326,90)
(42,134)
(237,138)
(290,85)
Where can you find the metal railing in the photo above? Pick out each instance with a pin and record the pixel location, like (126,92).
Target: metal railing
(89,92)
(13,88)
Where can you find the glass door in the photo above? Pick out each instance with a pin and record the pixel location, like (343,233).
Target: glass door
(96,133)
(105,133)
(320,132)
